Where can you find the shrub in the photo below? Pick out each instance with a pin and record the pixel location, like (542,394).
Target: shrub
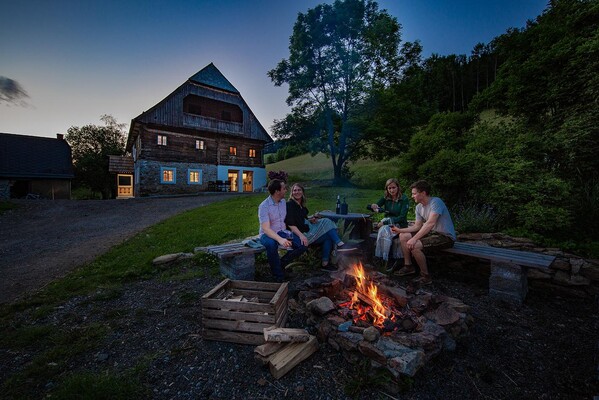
(282,175)
(473,218)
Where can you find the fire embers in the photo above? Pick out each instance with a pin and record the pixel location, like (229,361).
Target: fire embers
(369,307)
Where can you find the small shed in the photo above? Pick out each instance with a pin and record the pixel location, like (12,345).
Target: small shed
(34,166)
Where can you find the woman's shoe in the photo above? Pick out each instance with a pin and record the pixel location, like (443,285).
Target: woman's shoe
(390,265)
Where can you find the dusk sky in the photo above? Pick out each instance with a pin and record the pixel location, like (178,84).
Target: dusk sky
(79,59)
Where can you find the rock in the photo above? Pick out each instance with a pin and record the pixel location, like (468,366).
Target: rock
(321,306)
(344,327)
(590,271)
(561,264)
(370,351)
(534,273)
(576,264)
(371,334)
(169,258)
(443,315)
(565,278)
(348,340)
(406,364)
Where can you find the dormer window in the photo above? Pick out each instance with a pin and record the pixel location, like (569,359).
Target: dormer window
(161,140)
(232,150)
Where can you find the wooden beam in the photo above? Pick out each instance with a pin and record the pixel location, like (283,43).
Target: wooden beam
(291,355)
(274,334)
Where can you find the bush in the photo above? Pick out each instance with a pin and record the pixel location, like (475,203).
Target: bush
(475,219)
(282,175)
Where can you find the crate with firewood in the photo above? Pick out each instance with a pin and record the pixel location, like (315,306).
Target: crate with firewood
(238,311)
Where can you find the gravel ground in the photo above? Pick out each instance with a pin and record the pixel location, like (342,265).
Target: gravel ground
(544,349)
(42,240)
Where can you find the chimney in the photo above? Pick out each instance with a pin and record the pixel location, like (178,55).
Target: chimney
(59,136)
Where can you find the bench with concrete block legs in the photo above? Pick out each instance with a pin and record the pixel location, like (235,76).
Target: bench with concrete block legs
(237,261)
(508,280)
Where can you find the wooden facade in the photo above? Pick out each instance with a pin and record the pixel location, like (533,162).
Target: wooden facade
(201,133)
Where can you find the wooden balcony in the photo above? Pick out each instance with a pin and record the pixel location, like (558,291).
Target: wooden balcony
(212,124)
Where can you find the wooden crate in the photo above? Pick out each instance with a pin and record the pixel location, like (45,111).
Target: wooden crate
(243,322)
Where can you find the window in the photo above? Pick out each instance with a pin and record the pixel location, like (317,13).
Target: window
(252,153)
(168,175)
(225,115)
(232,150)
(199,145)
(194,177)
(161,140)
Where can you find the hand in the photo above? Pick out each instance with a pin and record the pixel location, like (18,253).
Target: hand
(395,229)
(412,243)
(285,243)
(375,207)
(379,225)
(304,240)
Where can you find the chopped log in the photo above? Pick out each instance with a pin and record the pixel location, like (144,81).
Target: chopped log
(291,355)
(269,348)
(274,334)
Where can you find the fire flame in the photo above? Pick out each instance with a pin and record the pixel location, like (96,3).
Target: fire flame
(367,293)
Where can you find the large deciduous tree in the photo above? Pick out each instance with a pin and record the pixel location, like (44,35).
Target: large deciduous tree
(91,145)
(339,53)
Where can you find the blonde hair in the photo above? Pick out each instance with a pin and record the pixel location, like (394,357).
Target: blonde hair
(304,200)
(390,181)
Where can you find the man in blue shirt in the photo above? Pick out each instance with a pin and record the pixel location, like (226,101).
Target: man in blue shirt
(273,233)
(433,230)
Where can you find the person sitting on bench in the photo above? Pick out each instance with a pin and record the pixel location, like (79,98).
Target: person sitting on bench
(395,205)
(433,230)
(273,233)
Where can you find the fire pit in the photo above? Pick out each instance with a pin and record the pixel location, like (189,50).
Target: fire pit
(365,314)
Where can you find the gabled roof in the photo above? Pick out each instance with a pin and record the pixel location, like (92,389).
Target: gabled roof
(27,157)
(211,76)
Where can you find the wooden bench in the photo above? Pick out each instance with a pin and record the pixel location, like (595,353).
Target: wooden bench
(236,260)
(509,268)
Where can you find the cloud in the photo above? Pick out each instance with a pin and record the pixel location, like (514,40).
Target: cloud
(12,92)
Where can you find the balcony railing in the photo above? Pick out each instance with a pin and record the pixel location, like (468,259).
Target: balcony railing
(212,124)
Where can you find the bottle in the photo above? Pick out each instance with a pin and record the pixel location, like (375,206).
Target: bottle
(338,206)
(344,207)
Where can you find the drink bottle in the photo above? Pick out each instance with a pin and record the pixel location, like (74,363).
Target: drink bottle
(338,206)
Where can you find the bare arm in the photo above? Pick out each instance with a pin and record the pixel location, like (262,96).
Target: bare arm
(410,229)
(427,227)
(299,234)
(274,235)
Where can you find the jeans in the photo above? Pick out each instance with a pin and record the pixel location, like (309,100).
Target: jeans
(272,253)
(328,240)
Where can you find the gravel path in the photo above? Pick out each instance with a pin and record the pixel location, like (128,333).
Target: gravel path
(42,240)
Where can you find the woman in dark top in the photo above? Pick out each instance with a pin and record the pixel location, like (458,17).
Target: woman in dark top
(313,229)
(396,206)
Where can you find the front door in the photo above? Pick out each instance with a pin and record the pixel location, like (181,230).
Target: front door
(124,186)
(234,185)
(248,177)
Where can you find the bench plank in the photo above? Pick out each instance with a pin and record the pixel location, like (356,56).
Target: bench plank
(523,258)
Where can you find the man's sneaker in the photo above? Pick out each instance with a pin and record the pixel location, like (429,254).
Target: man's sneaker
(390,265)
(346,247)
(406,270)
(424,280)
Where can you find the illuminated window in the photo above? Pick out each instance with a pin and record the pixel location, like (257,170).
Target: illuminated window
(199,144)
(232,150)
(161,140)
(194,177)
(168,175)
(252,153)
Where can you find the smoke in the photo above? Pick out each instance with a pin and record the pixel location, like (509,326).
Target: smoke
(11,92)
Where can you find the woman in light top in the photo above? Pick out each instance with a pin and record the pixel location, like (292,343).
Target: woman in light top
(313,229)
(395,205)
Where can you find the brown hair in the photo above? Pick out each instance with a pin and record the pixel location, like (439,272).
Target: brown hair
(422,186)
(274,185)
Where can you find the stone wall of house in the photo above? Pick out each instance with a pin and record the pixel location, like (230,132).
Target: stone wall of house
(150,185)
(569,275)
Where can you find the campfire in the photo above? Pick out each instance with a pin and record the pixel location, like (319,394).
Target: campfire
(366,314)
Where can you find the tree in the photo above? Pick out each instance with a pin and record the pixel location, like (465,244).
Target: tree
(91,145)
(339,53)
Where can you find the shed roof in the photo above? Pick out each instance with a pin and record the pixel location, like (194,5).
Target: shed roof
(211,76)
(27,157)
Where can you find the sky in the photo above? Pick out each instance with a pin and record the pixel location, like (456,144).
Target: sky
(80,59)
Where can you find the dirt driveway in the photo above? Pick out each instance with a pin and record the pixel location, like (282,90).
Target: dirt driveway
(43,240)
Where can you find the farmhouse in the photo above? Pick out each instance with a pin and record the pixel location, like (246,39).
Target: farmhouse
(201,137)
(35,166)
